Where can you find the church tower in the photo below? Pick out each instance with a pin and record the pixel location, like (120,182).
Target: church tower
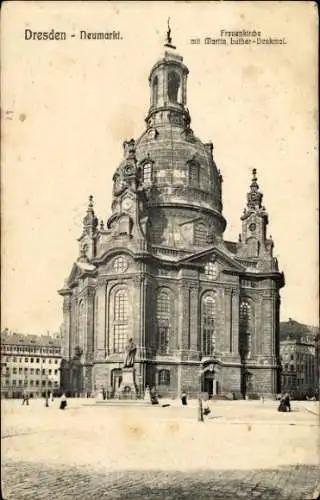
(203,312)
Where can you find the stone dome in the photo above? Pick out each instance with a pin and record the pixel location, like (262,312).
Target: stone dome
(177,172)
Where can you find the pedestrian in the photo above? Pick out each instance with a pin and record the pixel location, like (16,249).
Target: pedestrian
(184,399)
(25,399)
(287,402)
(63,402)
(104,394)
(147,394)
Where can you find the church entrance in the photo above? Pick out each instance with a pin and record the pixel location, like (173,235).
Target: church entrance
(210,384)
(116,379)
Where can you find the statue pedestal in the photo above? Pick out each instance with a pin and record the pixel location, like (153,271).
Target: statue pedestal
(127,388)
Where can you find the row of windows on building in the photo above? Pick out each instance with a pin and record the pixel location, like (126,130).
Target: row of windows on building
(14,359)
(164,319)
(26,349)
(193,173)
(120,264)
(30,383)
(32,371)
(297,367)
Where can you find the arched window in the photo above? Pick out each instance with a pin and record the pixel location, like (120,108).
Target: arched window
(163,316)
(147,173)
(173,86)
(81,324)
(245,324)
(193,173)
(164,377)
(120,320)
(200,233)
(208,325)
(155,90)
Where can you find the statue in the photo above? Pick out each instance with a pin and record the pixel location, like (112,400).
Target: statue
(131,350)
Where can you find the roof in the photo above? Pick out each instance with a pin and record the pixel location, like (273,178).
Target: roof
(231,246)
(295,330)
(22,339)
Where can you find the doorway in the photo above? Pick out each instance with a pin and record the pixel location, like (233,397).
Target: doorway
(116,379)
(210,384)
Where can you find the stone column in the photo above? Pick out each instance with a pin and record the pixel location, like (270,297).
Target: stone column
(228,318)
(195,318)
(183,338)
(66,345)
(100,330)
(235,323)
(268,323)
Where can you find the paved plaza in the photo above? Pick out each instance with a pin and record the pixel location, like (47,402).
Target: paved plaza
(244,449)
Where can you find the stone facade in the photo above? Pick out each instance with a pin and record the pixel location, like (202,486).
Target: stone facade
(203,312)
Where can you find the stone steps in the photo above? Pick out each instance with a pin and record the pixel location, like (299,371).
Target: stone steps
(123,402)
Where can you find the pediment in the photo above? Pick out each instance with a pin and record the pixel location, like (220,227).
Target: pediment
(79,270)
(212,254)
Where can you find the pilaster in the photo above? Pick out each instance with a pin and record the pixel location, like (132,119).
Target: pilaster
(101,331)
(67,321)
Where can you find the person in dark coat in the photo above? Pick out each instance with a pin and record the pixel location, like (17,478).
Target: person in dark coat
(284,405)
(25,399)
(184,399)
(63,402)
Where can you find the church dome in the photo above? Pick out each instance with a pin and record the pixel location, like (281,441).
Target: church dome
(177,171)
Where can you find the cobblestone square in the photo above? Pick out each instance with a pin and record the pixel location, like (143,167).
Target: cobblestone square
(243,450)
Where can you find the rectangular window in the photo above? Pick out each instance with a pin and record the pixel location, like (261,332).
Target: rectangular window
(37,382)
(56,372)
(49,372)
(26,370)
(14,359)
(31,382)
(43,372)
(37,360)
(20,370)
(31,360)
(31,371)
(56,361)
(14,370)
(37,371)
(163,336)
(120,338)
(20,382)
(50,361)
(26,360)
(14,382)
(43,382)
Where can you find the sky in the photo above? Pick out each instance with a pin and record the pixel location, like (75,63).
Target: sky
(67,107)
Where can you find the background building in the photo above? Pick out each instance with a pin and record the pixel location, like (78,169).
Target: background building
(29,363)
(160,271)
(299,359)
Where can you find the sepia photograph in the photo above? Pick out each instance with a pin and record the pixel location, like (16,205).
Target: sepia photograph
(160,256)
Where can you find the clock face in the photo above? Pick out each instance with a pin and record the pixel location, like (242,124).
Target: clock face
(252,226)
(128,169)
(127,203)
